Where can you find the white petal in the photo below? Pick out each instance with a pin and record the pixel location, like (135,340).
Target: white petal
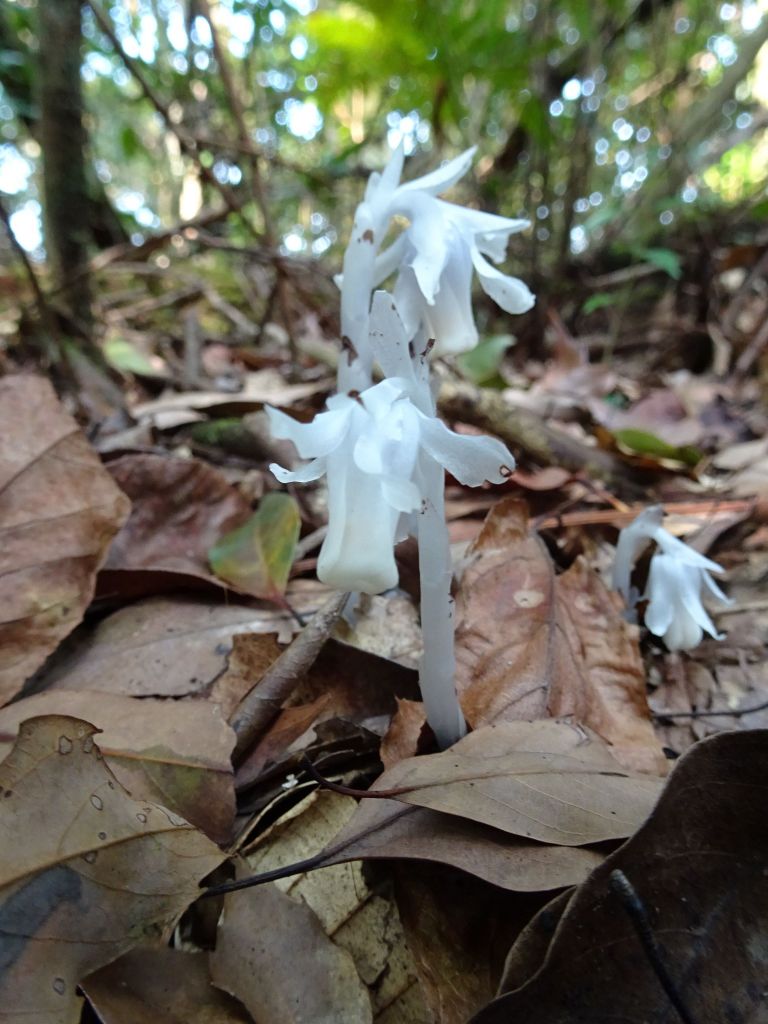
(481,224)
(389,342)
(401,494)
(470,459)
(683,633)
(410,303)
(441,179)
(685,554)
(390,177)
(494,243)
(662,594)
(378,399)
(428,237)
(304,474)
(715,589)
(633,539)
(321,436)
(508,292)
(450,321)
(358,550)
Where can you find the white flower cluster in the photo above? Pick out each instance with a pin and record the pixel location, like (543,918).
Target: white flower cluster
(374,442)
(676,578)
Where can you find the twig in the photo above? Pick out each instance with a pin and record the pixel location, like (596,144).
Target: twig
(262,704)
(710,714)
(638,915)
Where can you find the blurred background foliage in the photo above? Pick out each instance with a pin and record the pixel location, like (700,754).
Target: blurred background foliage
(619,127)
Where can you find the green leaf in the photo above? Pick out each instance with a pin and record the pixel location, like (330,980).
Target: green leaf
(481,365)
(664,259)
(257,556)
(127,358)
(600,300)
(642,443)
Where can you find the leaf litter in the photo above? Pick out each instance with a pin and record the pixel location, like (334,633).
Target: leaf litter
(426,889)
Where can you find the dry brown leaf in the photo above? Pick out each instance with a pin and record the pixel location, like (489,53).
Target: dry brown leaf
(96,873)
(698,867)
(405,729)
(167,647)
(459,930)
(175,753)
(530,644)
(273,955)
(179,509)
(546,780)
(360,919)
(383,829)
(160,986)
(59,510)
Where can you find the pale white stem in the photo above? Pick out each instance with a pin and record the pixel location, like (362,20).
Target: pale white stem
(437,671)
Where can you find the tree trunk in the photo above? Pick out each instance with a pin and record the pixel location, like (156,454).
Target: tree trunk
(63,140)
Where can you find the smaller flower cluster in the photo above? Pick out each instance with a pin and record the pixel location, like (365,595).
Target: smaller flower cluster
(369,447)
(676,578)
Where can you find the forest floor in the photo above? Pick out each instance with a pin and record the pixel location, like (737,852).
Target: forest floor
(185,704)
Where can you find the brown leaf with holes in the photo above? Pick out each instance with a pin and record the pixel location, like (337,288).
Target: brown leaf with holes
(176,753)
(698,868)
(531,644)
(545,780)
(97,872)
(59,510)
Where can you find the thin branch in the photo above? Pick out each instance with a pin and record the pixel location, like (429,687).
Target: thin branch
(44,310)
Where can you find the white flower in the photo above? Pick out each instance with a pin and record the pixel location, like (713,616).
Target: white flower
(676,577)
(434,256)
(369,446)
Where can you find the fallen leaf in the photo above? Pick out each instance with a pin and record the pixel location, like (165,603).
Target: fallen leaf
(405,730)
(698,868)
(544,780)
(388,829)
(160,986)
(360,918)
(531,644)
(257,556)
(176,753)
(273,955)
(259,388)
(458,929)
(166,647)
(59,510)
(95,874)
(180,508)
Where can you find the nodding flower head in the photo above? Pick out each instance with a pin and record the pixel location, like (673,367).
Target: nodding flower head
(434,257)
(676,577)
(369,445)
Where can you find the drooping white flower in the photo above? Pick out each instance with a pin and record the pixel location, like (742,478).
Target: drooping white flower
(434,257)
(368,445)
(676,577)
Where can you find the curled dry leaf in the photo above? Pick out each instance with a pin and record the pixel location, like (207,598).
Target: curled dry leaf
(698,866)
(546,780)
(176,753)
(59,510)
(273,955)
(160,986)
(530,644)
(95,874)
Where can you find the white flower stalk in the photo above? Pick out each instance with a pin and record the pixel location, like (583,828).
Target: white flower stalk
(676,578)
(369,447)
(434,258)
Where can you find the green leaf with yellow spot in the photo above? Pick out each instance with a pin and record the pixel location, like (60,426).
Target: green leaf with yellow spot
(257,556)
